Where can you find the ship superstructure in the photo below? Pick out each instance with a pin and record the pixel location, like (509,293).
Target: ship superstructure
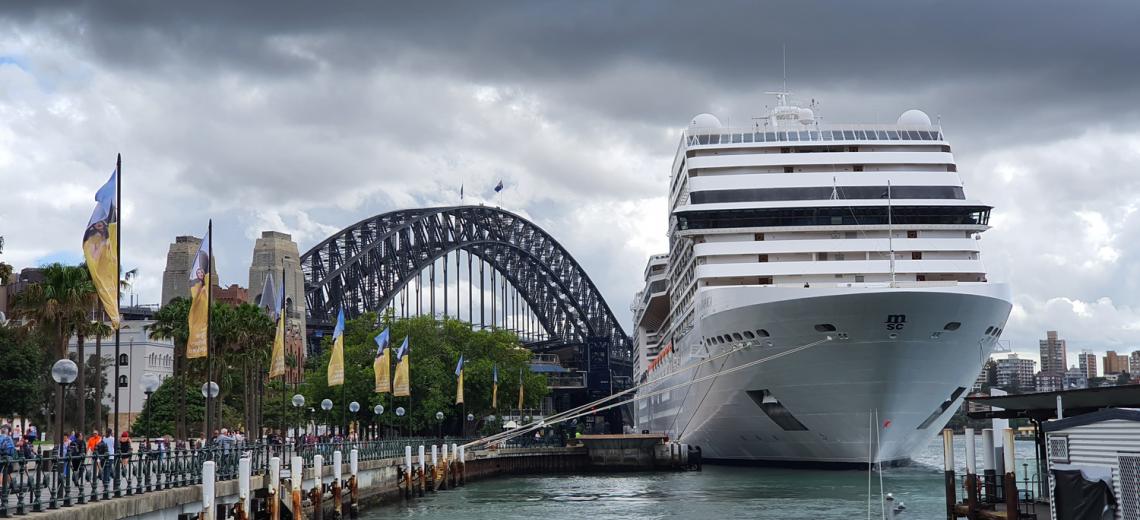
(858,237)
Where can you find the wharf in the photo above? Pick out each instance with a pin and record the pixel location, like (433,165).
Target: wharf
(639,451)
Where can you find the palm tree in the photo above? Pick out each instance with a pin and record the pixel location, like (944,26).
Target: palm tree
(57,307)
(170,323)
(99,330)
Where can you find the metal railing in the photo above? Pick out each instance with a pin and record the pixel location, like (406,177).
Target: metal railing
(49,481)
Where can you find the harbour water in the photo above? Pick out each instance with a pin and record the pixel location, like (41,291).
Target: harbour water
(716,492)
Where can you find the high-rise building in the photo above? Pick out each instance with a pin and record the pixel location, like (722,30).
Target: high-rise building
(1014,373)
(176,277)
(1053,354)
(1114,363)
(1134,364)
(1086,360)
(1049,382)
(277,254)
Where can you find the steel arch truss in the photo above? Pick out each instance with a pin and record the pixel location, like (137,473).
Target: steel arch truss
(365,265)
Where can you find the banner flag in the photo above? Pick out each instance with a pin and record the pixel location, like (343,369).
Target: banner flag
(336,360)
(277,361)
(402,387)
(382,366)
(495,386)
(521,389)
(101,247)
(201,278)
(459,385)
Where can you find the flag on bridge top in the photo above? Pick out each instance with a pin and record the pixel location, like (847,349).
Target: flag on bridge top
(101,246)
(381,366)
(460,191)
(494,386)
(402,386)
(201,286)
(336,359)
(459,381)
(499,186)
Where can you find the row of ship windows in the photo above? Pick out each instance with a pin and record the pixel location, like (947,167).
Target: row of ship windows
(826,193)
(819,327)
(835,216)
(817,135)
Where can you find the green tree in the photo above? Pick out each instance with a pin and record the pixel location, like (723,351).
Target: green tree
(435,347)
(170,324)
(243,337)
(21,375)
(173,399)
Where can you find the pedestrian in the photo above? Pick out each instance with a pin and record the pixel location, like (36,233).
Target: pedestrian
(93,441)
(226,441)
(125,448)
(7,452)
(108,447)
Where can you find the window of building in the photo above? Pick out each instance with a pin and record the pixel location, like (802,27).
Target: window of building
(759,237)
(765,280)
(839,256)
(763,258)
(821,257)
(123,360)
(858,278)
(916,255)
(857,167)
(788,169)
(122,381)
(920,278)
(911,233)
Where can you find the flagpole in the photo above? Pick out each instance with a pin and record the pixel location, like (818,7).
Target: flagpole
(284,375)
(118,289)
(209,331)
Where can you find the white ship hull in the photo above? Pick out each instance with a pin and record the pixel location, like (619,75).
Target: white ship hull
(872,374)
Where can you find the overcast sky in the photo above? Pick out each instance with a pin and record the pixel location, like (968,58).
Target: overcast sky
(308,116)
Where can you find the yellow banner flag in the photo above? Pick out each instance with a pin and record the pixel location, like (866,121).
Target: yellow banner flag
(336,360)
(521,389)
(201,279)
(402,387)
(277,362)
(101,247)
(495,395)
(382,366)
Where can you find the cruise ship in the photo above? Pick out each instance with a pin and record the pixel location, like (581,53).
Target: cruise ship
(822,301)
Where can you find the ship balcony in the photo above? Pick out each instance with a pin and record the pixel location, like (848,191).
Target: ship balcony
(712,162)
(845,267)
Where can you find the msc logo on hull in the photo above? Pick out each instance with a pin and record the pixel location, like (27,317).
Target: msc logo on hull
(896,321)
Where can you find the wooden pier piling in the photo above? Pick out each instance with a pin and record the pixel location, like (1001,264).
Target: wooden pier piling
(948,472)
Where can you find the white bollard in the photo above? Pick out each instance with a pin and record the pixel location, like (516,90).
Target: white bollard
(338,461)
(243,484)
(421,457)
(408,458)
(444,459)
(462,455)
(354,462)
(988,450)
(1010,461)
(208,489)
(948,450)
(297,471)
(971,456)
(318,471)
(434,455)
(454,452)
(275,474)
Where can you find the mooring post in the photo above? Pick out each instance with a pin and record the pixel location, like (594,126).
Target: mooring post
(434,468)
(317,491)
(408,472)
(455,464)
(296,474)
(421,482)
(948,471)
(353,471)
(243,483)
(445,468)
(971,476)
(338,460)
(1011,512)
(989,468)
(208,512)
(273,505)
(462,466)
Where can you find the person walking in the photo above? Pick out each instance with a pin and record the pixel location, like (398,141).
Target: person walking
(7,453)
(108,449)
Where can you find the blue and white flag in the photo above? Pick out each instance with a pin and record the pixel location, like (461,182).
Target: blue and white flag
(499,186)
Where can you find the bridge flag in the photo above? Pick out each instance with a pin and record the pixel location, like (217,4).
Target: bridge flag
(494,386)
(336,360)
(459,384)
(201,284)
(382,366)
(499,186)
(402,386)
(101,246)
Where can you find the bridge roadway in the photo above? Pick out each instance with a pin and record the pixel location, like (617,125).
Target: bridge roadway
(246,482)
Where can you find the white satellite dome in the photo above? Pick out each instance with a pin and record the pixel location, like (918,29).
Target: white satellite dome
(705,120)
(914,117)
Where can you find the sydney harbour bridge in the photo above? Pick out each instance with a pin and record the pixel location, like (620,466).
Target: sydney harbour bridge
(483,265)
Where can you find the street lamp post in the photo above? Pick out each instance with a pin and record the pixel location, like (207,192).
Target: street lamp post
(298,402)
(64,373)
(326,405)
(491,422)
(439,424)
(378,410)
(471,421)
(150,382)
(353,407)
(209,391)
(400,413)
